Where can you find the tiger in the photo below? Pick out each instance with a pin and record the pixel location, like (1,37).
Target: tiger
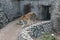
(27,19)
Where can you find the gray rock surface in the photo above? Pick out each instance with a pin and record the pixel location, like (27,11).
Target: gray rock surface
(3,18)
(11,8)
(36,30)
(56,16)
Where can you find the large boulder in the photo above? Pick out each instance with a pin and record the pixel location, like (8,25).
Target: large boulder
(35,30)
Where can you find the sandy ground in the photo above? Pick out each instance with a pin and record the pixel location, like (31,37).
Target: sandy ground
(10,32)
(57,36)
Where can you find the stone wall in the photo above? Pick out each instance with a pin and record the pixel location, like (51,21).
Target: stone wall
(11,8)
(56,16)
(35,30)
(3,18)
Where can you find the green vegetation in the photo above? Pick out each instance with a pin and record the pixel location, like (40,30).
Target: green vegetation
(48,36)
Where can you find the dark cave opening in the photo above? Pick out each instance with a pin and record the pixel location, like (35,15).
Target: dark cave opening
(45,12)
(27,8)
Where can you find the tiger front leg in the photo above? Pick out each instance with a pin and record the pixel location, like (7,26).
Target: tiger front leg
(24,23)
(29,22)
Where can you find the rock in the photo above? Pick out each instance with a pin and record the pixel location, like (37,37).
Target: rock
(3,19)
(35,30)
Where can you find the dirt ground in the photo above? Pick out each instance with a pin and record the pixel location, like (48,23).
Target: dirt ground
(10,32)
(57,36)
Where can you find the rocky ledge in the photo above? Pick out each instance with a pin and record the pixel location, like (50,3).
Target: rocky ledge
(35,30)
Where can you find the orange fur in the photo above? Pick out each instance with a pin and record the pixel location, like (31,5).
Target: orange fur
(27,19)
(27,16)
